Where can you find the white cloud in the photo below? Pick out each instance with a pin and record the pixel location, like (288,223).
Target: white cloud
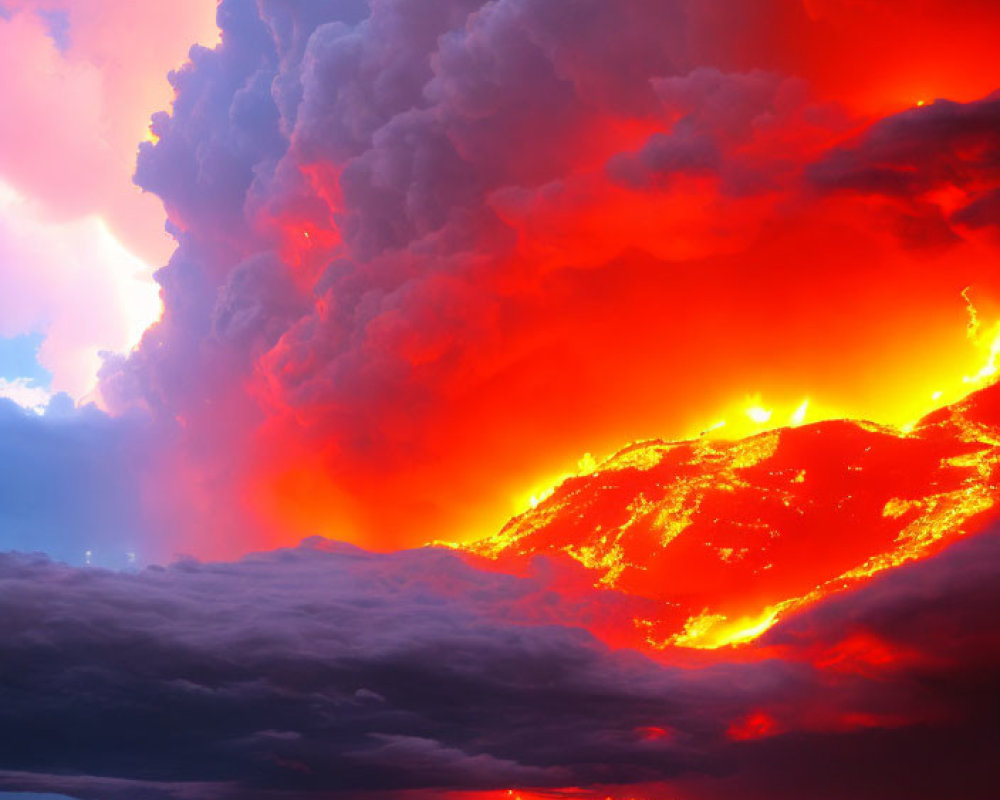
(25,394)
(74,282)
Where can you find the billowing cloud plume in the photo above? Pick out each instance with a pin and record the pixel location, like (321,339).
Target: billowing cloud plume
(436,251)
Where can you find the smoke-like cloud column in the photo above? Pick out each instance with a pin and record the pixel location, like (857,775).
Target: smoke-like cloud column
(432,252)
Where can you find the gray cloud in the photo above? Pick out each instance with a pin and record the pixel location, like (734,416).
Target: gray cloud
(329,669)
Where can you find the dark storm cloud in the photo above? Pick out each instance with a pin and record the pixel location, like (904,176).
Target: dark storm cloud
(356,146)
(925,605)
(917,150)
(329,669)
(907,155)
(307,671)
(939,618)
(712,116)
(982,212)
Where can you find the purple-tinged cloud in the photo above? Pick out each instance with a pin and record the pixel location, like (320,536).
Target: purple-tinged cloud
(326,669)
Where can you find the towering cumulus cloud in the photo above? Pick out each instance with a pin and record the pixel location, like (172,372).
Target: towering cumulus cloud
(431,252)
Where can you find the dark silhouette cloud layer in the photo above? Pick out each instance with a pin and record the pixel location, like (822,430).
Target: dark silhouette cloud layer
(298,673)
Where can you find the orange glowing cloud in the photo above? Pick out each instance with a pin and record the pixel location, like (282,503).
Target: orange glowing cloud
(512,257)
(697,292)
(755,725)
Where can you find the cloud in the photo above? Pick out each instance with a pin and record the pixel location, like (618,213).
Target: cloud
(939,653)
(325,668)
(683,151)
(75,283)
(336,670)
(945,148)
(394,219)
(916,150)
(96,70)
(25,393)
(79,241)
(343,146)
(982,212)
(732,126)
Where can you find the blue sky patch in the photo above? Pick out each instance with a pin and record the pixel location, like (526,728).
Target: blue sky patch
(19,359)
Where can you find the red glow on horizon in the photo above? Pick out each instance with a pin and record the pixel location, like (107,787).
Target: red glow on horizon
(654,733)
(863,654)
(565,793)
(755,725)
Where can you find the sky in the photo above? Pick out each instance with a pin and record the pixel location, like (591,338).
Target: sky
(290,290)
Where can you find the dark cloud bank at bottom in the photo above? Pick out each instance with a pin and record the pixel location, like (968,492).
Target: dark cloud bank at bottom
(327,671)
